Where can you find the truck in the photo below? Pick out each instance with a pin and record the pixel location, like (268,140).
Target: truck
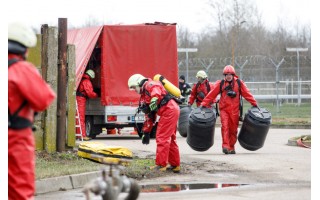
(115,52)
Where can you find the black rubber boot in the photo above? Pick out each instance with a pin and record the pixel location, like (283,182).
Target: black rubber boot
(232,152)
(225,150)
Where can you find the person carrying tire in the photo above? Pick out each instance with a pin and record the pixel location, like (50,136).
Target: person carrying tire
(229,106)
(200,89)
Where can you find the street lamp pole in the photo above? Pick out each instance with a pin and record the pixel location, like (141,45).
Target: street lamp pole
(232,46)
(298,68)
(187,50)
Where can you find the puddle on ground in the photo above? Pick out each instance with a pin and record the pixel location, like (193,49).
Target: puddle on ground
(181,187)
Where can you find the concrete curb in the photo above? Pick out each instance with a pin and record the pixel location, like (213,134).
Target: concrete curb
(63,183)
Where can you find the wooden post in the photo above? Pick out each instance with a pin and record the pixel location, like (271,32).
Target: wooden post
(50,128)
(62,82)
(71,95)
(44,50)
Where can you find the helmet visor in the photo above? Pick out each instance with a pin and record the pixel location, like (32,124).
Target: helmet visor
(135,88)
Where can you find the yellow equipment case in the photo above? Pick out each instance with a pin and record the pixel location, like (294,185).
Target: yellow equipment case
(99,152)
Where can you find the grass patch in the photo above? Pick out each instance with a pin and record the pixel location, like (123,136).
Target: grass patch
(60,164)
(289,114)
(67,163)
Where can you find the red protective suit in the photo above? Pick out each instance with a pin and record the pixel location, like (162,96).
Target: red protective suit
(86,91)
(24,83)
(196,92)
(229,109)
(167,147)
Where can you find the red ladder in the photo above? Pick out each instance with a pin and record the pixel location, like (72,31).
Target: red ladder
(78,124)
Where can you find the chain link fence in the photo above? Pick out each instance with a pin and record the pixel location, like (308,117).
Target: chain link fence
(255,68)
(268,78)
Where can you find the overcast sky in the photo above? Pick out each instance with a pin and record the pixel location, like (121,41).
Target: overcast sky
(189,13)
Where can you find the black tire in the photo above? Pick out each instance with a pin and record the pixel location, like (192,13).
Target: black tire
(183,120)
(183,128)
(91,129)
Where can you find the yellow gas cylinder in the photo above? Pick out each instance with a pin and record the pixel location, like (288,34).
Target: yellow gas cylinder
(172,89)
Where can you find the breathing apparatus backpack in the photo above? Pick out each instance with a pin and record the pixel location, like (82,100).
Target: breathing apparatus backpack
(201,95)
(173,92)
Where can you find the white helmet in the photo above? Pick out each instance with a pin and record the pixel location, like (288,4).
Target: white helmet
(22,34)
(201,74)
(91,73)
(134,81)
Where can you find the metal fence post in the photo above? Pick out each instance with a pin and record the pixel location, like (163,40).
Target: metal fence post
(298,68)
(277,80)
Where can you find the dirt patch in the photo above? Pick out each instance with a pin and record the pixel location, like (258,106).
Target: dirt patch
(67,155)
(61,163)
(190,167)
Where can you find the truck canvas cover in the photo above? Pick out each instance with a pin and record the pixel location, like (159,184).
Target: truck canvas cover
(84,40)
(146,49)
(135,49)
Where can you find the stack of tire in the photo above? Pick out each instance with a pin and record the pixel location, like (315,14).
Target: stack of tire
(183,120)
(201,127)
(254,128)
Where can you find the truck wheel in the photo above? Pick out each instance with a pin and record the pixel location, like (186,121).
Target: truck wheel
(91,129)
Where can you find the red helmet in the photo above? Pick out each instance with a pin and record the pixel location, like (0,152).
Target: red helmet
(229,70)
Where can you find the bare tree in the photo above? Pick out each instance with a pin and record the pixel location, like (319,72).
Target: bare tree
(238,30)
(186,39)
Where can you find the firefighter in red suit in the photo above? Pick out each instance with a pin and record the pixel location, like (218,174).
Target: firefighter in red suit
(200,89)
(229,106)
(84,91)
(156,101)
(27,93)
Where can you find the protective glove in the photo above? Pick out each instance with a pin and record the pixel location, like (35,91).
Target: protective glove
(188,91)
(146,138)
(153,104)
(240,119)
(256,106)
